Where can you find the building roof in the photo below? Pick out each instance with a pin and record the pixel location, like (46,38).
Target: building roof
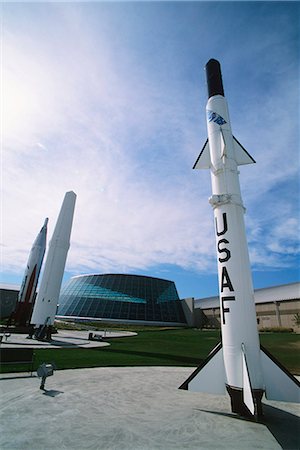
(119,275)
(281,293)
(9,287)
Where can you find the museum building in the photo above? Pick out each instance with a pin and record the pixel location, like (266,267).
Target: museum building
(120,297)
(154,301)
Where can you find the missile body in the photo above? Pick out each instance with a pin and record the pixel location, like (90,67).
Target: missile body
(27,292)
(47,299)
(238,365)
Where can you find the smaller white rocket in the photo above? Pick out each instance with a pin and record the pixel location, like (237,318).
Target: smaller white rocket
(27,292)
(47,299)
(239,365)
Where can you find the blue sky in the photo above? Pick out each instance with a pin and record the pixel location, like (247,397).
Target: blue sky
(108,99)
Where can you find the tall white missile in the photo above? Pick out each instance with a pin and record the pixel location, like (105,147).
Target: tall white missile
(47,299)
(239,365)
(27,292)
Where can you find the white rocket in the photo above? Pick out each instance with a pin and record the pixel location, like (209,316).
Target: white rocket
(239,365)
(47,299)
(31,276)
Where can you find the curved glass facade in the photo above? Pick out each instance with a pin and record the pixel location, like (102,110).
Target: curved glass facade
(121,297)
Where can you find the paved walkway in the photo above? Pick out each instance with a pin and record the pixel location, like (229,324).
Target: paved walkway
(132,408)
(64,338)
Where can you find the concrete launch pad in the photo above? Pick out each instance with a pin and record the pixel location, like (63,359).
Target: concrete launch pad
(132,408)
(64,338)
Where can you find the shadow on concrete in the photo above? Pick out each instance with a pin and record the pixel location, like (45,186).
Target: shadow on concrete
(225,414)
(66,344)
(62,343)
(73,338)
(52,393)
(43,344)
(284,426)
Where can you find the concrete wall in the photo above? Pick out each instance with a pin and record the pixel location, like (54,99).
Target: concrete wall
(278,314)
(188,306)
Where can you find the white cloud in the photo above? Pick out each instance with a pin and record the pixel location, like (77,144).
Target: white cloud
(82,112)
(132,210)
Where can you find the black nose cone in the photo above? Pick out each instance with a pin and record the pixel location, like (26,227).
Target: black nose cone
(214,78)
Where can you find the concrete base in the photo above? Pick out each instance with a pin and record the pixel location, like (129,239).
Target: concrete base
(132,408)
(64,338)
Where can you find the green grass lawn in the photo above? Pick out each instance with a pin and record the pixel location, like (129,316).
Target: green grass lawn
(180,347)
(285,347)
(173,347)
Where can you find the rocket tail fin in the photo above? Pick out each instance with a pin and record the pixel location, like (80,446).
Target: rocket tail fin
(280,384)
(245,401)
(209,377)
(247,388)
(241,155)
(203,160)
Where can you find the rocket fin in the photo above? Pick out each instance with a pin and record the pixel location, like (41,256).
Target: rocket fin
(203,160)
(241,155)
(280,384)
(209,376)
(247,389)
(223,144)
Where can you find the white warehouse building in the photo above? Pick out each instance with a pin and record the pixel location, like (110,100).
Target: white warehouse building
(276,306)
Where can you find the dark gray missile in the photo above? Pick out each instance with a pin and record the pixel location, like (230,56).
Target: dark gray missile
(27,292)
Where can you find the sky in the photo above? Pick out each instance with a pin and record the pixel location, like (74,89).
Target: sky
(108,99)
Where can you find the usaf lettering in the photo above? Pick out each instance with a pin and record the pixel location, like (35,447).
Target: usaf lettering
(225,279)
